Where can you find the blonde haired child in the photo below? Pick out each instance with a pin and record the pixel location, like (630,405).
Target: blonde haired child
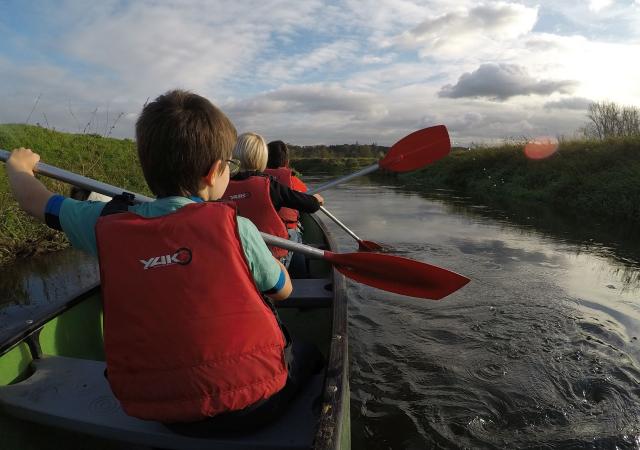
(251,151)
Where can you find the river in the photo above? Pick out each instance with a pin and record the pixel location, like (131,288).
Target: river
(540,350)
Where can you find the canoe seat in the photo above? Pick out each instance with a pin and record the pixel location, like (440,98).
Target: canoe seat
(73,394)
(309,293)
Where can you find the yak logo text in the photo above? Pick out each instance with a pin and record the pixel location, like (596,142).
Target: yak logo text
(181,256)
(240,196)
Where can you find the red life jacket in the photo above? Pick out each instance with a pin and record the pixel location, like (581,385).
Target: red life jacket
(187,334)
(283,176)
(253,200)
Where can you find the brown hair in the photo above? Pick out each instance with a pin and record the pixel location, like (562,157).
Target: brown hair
(179,137)
(278,155)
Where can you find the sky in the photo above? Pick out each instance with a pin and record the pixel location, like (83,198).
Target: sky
(331,72)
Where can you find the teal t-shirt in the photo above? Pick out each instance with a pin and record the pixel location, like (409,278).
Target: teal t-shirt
(78,220)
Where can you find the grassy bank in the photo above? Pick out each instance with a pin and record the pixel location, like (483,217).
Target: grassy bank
(111,160)
(597,178)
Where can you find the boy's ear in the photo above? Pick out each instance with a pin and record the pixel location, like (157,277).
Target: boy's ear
(209,178)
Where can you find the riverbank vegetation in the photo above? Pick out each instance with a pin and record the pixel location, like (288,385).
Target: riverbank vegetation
(111,160)
(334,159)
(590,177)
(597,176)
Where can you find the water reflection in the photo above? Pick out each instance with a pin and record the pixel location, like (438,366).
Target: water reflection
(540,350)
(46,279)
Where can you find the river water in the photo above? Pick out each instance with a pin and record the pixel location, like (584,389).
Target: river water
(540,350)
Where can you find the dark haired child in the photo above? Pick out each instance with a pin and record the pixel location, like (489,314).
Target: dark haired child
(174,271)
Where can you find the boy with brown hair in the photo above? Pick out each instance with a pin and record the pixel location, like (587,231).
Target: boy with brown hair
(175,271)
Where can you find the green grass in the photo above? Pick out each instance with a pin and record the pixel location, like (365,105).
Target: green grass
(110,160)
(597,178)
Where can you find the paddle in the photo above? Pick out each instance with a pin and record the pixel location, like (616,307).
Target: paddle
(363,246)
(412,152)
(386,272)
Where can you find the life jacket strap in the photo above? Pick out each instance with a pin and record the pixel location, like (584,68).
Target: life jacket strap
(118,204)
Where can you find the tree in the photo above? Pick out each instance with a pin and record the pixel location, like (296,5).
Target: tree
(608,119)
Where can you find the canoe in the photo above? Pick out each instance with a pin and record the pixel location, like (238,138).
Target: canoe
(53,393)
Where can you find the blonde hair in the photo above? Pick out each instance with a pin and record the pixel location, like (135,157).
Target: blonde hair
(251,150)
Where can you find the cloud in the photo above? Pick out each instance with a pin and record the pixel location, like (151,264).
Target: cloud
(502,81)
(306,99)
(575,103)
(599,5)
(334,55)
(459,31)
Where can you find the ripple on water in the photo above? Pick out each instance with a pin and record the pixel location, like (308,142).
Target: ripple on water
(513,360)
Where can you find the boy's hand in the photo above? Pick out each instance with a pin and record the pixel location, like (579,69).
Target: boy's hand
(30,194)
(23,160)
(319,198)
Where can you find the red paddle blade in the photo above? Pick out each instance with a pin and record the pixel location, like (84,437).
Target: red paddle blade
(369,246)
(418,149)
(396,274)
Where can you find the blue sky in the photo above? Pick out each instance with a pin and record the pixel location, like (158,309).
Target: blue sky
(323,72)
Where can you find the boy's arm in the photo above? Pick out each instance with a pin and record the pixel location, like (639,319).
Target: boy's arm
(286,289)
(31,194)
(270,276)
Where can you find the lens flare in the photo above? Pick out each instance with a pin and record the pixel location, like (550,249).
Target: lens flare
(541,147)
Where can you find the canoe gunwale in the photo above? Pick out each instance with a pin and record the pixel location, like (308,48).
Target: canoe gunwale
(336,388)
(13,337)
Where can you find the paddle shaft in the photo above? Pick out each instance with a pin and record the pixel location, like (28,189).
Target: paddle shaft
(110,190)
(339,223)
(77,180)
(330,184)
(337,181)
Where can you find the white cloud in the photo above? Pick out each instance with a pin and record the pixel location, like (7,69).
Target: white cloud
(576,103)
(334,55)
(305,102)
(599,5)
(453,34)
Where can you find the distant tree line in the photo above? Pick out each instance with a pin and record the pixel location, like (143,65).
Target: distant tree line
(337,151)
(608,119)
